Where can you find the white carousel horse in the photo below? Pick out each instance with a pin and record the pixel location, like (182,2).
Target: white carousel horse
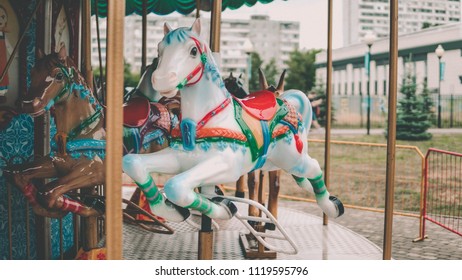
(220,138)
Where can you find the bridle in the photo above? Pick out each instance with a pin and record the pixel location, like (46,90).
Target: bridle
(198,69)
(69,86)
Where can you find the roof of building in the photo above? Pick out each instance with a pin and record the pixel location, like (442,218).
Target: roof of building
(419,44)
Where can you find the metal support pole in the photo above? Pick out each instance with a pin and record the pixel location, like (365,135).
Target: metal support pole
(391,142)
(114,82)
(205,250)
(144,37)
(90,226)
(100,58)
(328,100)
(439,92)
(368,121)
(42,143)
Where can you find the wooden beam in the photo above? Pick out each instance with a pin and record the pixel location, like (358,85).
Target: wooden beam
(391,142)
(114,82)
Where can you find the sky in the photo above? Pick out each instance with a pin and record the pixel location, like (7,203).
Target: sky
(312,15)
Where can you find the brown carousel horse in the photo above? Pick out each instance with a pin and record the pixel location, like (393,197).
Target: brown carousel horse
(77,157)
(255,184)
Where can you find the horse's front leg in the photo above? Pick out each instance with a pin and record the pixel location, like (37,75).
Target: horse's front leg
(213,171)
(22,176)
(81,173)
(139,166)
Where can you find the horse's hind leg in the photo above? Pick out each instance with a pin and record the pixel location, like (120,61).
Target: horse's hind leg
(308,176)
(274,186)
(240,191)
(253,186)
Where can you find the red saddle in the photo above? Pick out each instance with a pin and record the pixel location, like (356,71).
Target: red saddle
(136,112)
(261,105)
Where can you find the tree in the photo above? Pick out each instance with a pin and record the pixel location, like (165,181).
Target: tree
(427,24)
(427,102)
(254,84)
(130,79)
(413,119)
(320,91)
(271,72)
(301,70)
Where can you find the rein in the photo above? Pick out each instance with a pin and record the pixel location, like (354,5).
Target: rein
(70,86)
(199,68)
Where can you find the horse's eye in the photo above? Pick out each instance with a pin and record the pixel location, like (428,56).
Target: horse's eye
(193,51)
(59,76)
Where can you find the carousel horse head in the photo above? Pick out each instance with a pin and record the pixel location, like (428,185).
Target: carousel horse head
(144,86)
(52,80)
(235,86)
(183,58)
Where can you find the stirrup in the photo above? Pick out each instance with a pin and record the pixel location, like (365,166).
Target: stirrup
(263,236)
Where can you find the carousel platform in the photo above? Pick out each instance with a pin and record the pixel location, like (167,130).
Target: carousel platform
(314,241)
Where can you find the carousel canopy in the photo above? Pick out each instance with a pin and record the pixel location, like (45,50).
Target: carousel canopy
(165,7)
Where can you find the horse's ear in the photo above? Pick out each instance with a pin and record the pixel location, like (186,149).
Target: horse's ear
(167,28)
(62,54)
(196,27)
(39,53)
(240,76)
(280,87)
(262,79)
(231,75)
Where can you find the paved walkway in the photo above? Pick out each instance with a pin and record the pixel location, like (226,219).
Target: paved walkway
(441,244)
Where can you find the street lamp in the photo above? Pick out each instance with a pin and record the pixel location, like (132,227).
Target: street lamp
(248,49)
(369,39)
(439,53)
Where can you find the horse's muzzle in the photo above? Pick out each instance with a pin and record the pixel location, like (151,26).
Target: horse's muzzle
(164,83)
(33,107)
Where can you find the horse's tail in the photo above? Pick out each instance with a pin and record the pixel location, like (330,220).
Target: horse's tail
(301,103)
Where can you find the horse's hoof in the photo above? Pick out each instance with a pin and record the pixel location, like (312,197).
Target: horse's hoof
(240,194)
(219,191)
(253,223)
(338,204)
(185,213)
(227,204)
(95,203)
(270,226)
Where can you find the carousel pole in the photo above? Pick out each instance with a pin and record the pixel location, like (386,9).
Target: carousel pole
(100,59)
(144,37)
(42,142)
(90,224)
(86,46)
(391,142)
(205,250)
(114,82)
(328,100)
